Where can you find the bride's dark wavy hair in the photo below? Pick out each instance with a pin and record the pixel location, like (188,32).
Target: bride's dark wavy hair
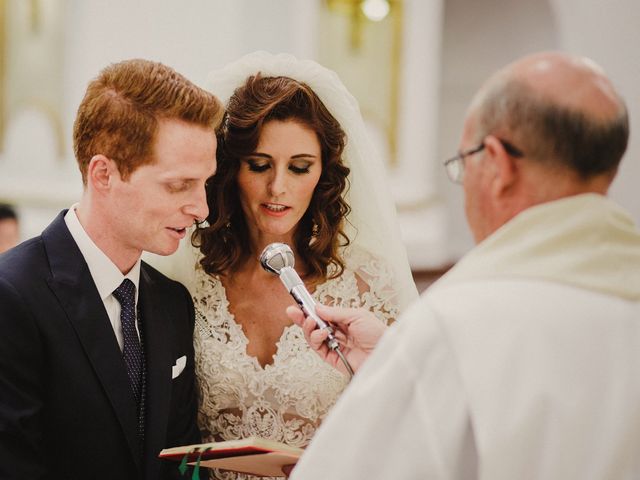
(225,241)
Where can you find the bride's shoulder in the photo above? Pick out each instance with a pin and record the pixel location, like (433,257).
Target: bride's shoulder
(361,260)
(205,282)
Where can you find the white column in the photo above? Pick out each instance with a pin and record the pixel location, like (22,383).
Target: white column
(608,32)
(422,216)
(304,29)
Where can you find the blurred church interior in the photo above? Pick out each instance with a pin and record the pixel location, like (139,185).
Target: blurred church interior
(413,65)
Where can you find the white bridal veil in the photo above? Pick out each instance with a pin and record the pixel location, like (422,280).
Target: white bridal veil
(372,223)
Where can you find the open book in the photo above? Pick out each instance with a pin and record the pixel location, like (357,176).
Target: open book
(252,455)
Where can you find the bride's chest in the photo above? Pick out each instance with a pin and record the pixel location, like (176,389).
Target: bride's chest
(262,319)
(223,347)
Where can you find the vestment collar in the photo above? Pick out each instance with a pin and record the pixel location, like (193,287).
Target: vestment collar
(587,241)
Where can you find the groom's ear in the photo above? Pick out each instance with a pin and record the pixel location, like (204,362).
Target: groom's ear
(100,172)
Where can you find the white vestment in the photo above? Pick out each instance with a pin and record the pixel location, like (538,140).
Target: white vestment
(523,362)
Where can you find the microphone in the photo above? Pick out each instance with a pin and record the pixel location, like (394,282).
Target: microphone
(277,258)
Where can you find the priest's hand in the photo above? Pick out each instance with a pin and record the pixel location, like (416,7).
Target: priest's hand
(356,329)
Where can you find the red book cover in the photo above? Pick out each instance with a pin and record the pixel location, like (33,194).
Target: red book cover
(252,455)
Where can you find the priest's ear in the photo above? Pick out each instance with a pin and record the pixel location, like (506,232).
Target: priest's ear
(502,165)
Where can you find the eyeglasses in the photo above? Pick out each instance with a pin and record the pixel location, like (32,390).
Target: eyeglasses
(455,165)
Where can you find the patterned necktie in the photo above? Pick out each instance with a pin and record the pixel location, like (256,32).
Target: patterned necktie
(132,350)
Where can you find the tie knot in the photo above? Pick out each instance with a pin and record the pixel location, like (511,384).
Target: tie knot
(126,292)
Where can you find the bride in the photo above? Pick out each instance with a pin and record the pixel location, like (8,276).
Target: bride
(294,166)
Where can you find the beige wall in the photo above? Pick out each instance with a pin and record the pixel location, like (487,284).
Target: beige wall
(451,46)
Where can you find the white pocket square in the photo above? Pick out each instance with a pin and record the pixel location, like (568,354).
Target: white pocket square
(179,366)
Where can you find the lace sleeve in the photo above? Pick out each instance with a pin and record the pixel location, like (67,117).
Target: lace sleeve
(374,279)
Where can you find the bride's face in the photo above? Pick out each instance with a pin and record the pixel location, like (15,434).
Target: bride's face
(276,182)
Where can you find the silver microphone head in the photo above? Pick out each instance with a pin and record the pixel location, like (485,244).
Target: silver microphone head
(276,256)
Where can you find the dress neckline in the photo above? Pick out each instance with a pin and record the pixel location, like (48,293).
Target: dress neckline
(242,336)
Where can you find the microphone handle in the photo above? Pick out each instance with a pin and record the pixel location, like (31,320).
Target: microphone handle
(308,305)
(294,285)
(305,301)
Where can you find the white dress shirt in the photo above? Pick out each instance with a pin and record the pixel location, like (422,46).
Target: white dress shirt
(104,272)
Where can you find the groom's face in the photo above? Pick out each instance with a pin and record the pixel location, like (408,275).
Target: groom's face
(160,200)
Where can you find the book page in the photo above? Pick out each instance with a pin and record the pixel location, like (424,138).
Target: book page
(265,464)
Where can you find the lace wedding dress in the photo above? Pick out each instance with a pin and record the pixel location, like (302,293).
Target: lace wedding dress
(286,400)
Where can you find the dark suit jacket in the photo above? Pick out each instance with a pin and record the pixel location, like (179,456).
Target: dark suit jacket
(66,407)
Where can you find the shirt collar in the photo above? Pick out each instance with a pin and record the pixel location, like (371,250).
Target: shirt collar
(106,275)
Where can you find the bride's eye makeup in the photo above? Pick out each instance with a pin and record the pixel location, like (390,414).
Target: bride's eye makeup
(300,168)
(260,165)
(257,165)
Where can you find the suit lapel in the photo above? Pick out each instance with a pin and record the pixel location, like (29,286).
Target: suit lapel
(158,352)
(75,289)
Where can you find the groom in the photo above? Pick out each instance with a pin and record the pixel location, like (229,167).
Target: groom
(96,356)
